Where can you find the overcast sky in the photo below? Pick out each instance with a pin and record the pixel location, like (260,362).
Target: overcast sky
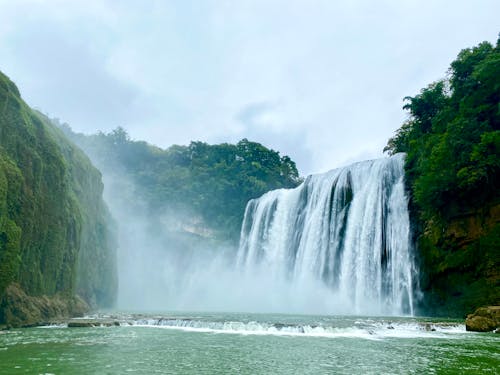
(320,81)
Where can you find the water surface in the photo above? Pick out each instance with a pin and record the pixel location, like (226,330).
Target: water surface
(194,343)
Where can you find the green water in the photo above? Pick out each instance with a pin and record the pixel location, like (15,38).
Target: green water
(251,344)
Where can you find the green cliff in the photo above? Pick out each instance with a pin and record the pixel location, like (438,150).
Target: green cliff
(452,141)
(54,237)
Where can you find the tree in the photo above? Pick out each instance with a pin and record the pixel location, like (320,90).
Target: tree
(214,182)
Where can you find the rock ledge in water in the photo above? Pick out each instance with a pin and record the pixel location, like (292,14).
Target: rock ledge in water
(484,319)
(88,323)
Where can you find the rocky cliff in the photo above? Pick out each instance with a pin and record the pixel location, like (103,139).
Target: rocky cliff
(55,240)
(460,262)
(452,141)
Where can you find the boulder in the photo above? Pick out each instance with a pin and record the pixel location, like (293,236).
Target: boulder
(484,319)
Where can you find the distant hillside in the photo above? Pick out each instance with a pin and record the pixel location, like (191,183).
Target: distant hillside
(205,187)
(54,236)
(452,139)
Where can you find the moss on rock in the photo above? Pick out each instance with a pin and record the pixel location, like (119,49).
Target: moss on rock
(54,233)
(18,309)
(484,319)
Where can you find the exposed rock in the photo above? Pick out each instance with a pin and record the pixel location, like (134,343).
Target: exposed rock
(484,319)
(81,324)
(429,327)
(20,310)
(89,323)
(460,266)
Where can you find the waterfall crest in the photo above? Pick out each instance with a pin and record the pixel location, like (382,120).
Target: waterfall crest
(346,231)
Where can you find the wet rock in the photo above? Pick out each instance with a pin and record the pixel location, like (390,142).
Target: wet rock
(81,324)
(279,326)
(22,310)
(90,323)
(429,327)
(484,319)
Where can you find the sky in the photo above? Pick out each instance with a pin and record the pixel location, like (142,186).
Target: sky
(320,81)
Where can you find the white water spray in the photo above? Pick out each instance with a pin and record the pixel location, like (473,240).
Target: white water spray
(337,244)
(342,237)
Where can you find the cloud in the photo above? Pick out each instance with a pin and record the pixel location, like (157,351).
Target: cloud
(320,81)
(256,114)
(266,122)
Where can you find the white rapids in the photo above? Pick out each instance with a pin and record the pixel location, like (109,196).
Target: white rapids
(366,329)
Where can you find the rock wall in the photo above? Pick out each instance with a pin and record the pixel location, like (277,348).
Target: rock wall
(54,227)
(460,262)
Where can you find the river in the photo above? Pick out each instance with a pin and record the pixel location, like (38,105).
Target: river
(216,343)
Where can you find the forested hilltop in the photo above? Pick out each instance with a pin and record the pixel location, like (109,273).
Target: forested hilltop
(56,247)
(452,141)
(206,186)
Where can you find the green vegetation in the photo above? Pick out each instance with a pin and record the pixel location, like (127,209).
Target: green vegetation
(452,141)
(53,221)
(212,182)
(55,237)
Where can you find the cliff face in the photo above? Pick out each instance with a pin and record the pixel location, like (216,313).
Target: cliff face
(460,262)
(54,235)
(452,141)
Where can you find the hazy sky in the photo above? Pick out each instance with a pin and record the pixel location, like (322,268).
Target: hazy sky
(321,81)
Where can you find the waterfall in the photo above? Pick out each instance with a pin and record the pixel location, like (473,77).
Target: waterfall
(346,231)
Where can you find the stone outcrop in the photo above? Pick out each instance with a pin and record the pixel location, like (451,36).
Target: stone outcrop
(460,267)
(90,323)
(484,319)
(18,309)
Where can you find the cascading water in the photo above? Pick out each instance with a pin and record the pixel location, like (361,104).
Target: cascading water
(346,231)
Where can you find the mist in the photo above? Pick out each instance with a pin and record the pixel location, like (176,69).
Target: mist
(169,259)
(163,267)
